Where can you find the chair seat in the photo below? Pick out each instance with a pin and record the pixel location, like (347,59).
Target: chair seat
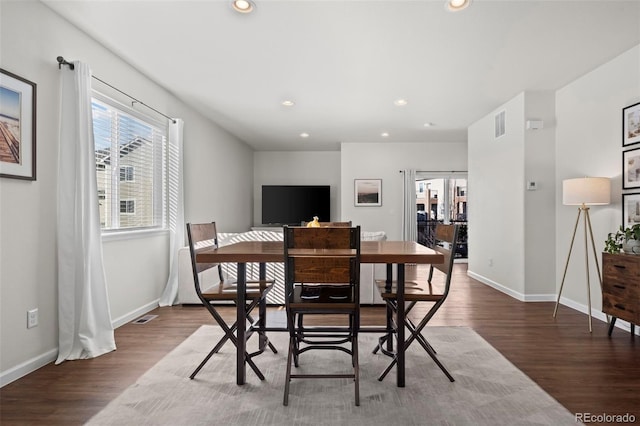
(420,293)
(228,290)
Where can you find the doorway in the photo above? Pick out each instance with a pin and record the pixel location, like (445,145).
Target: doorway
(442,198)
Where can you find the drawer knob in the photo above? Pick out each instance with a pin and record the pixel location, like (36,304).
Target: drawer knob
(619,286)
(620,266)
(619,306)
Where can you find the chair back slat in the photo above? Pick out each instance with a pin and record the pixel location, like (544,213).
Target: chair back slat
(446,237)
(322,270)
(202,236)
(331,224)
(324,237)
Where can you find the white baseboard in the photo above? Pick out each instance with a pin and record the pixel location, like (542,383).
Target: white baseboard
(595,313)
(130,316)
(21,370)
(50,356)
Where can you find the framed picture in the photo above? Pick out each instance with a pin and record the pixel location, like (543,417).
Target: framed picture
(17,127)
(631,125)
(630,209)
(631,169)
(368,192)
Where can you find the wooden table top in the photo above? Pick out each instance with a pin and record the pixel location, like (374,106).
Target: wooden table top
(370,252)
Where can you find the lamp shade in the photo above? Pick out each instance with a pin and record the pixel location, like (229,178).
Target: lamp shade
(590,191)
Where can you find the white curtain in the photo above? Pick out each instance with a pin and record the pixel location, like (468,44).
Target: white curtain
(409,211)
(176,212)
(84,319)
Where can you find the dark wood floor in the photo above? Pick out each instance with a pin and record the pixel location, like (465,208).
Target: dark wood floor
(587,373)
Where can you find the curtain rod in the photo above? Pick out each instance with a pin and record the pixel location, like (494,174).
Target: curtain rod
(62,61)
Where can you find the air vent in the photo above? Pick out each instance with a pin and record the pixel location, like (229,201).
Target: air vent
(500,124)
(145,319)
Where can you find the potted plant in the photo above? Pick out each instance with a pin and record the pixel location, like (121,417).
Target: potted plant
(625,239)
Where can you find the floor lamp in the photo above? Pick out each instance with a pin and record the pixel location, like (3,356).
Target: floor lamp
(583,192)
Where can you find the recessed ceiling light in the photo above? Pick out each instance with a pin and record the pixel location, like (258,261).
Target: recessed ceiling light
(243,6)
(400,102)
(456,5)
(384,134)
(304,135)
(288,103)
(428,124)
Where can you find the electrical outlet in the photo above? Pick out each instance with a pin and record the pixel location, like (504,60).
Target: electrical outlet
(32,318)
(490,262)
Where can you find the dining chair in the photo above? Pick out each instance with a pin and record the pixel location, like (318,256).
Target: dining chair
(322,277)
(213,287)
(445,242)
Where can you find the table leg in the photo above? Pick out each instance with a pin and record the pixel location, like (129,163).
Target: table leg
(400,320)
(241,372)
(262,310)
(389,310)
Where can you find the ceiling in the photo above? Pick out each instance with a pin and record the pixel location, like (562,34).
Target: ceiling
(344,63)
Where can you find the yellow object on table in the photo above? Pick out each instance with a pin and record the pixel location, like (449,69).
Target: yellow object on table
(314,223)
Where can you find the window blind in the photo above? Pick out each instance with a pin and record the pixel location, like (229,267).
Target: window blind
(130,153)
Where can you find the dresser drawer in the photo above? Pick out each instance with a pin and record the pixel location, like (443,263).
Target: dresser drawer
(621,308)
(621,288)
(627,266)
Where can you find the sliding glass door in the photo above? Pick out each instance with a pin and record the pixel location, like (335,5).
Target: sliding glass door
(442,197)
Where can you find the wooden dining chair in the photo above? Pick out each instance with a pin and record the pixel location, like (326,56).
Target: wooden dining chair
(212,287)
(322,277)
(445,239)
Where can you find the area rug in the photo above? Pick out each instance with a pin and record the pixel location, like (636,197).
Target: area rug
(488,390)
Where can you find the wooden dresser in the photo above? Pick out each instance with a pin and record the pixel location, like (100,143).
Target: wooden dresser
(621,288)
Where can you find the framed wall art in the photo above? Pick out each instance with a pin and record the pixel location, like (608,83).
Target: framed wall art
(630,209)
(631,169)
(631,125)
(17,127)
(368,192)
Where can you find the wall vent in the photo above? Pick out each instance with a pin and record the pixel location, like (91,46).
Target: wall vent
(500,126)
(145,319)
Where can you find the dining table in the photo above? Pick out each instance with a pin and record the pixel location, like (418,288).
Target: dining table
(398,253)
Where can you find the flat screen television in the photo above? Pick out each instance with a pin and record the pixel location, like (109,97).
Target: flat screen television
(292,204)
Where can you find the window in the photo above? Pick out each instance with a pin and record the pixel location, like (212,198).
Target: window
(128,206)
(126,174)
(130,158)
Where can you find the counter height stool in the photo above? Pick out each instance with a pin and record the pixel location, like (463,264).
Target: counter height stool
(211,287)
(446,237)
(322,277)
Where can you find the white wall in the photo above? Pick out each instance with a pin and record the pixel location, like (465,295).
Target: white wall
(384,161)
(511,226)
(296,168)
(540,221)
(589,143)
(496,199)
(31,38)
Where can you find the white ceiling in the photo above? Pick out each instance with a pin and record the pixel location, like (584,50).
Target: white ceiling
(345,62)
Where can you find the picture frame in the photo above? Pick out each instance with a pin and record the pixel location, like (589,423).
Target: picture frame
(631,125)
(368,192)
(630,209)
(631,169)
(17,127)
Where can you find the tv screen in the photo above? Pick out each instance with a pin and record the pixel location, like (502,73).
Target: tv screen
(292,204)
